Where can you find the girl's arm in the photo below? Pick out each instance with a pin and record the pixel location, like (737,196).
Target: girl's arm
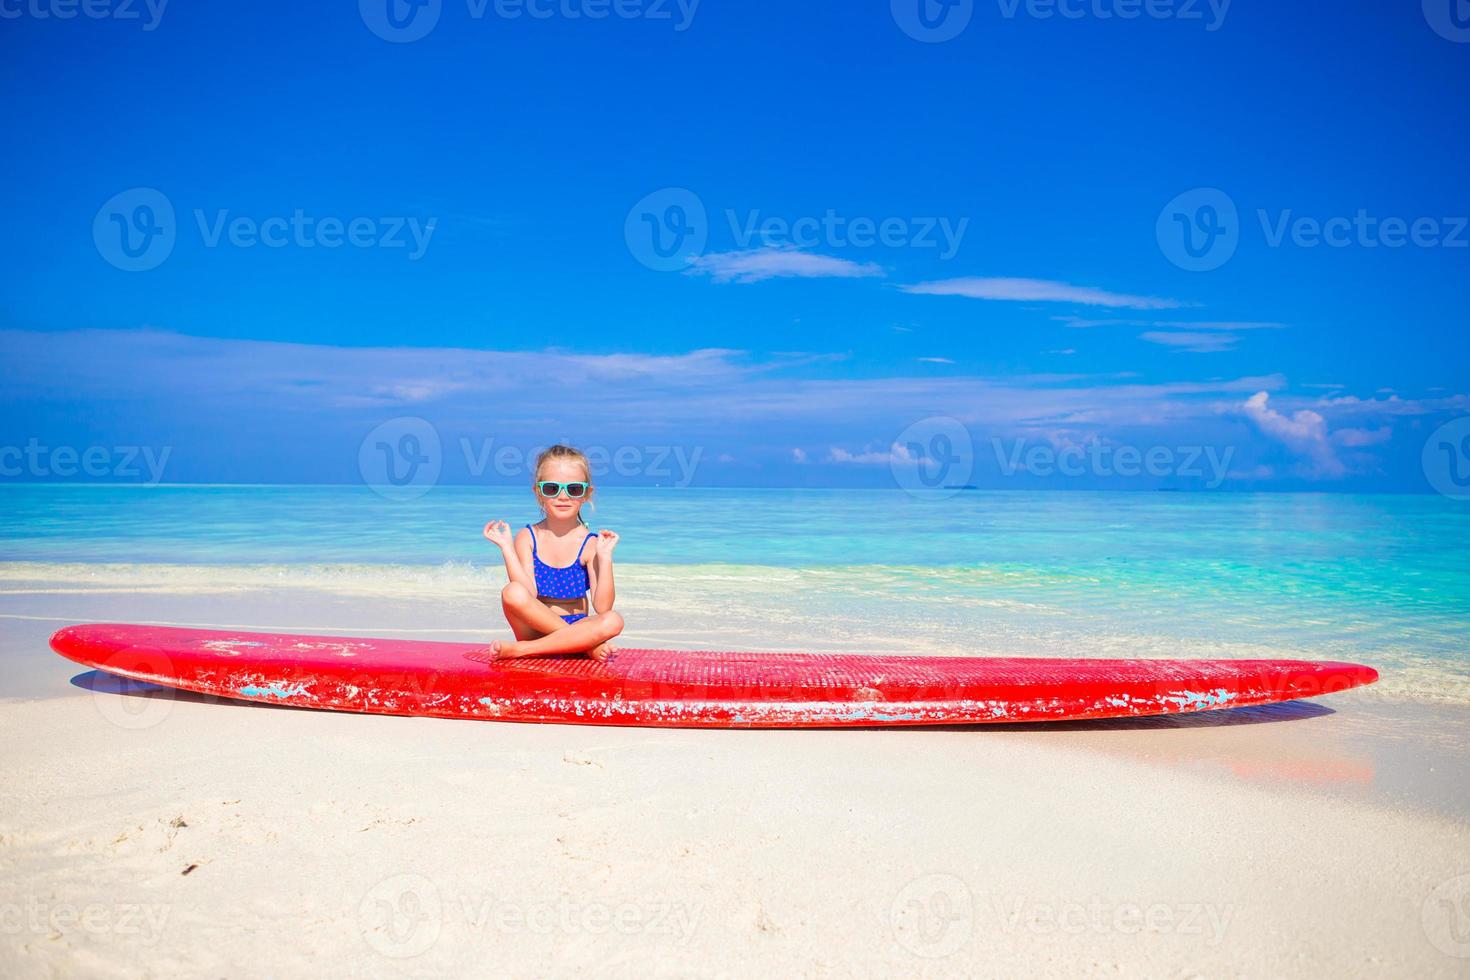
(515,550)
(600,570)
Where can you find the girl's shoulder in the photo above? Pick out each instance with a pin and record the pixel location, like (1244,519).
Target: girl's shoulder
(590,541)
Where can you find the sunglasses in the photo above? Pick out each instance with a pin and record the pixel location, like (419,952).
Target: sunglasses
(550,488)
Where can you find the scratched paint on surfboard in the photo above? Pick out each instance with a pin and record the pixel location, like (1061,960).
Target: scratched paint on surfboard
(673,688)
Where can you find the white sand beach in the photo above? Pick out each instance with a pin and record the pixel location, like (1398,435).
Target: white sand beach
(144,834)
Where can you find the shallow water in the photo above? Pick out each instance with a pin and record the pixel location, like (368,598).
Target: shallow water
(1383,580)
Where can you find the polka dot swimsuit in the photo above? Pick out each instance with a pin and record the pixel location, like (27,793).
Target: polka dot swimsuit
(569,582)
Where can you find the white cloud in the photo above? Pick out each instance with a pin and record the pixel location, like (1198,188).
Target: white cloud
(1195,336)
(1198,343)
(289,394)
(1304,433)
(758,264)
(935,360)
(1231,325)
(1355,438)
(714,387)
(894,454)
(1034,290)
(1351,405)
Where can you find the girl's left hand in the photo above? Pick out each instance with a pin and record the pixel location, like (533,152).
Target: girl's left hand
(609,541)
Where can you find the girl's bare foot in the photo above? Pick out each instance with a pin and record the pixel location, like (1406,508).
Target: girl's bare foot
(503,649)
(602,651)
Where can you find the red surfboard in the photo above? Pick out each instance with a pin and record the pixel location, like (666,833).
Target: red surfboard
(683,689)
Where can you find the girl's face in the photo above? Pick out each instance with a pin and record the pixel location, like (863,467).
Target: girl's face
(563,471)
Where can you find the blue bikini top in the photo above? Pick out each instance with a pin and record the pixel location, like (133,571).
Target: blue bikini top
(569,582)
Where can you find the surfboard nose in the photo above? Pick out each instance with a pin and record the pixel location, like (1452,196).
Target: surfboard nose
(66,641)
(1356,674)
(86,643)
(1329,677)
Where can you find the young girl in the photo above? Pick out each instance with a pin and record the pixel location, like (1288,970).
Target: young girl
(553,564)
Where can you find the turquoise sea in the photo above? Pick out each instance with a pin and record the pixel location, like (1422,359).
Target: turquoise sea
(1383,580)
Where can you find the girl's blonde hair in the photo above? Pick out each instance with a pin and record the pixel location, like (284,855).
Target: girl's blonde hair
(560,451)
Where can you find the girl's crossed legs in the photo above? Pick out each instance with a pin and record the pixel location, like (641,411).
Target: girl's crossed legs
(539,631)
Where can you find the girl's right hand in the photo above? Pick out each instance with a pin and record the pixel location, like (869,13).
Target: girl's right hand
(498,533)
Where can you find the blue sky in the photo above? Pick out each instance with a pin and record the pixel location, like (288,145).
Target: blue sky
(1033,178)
